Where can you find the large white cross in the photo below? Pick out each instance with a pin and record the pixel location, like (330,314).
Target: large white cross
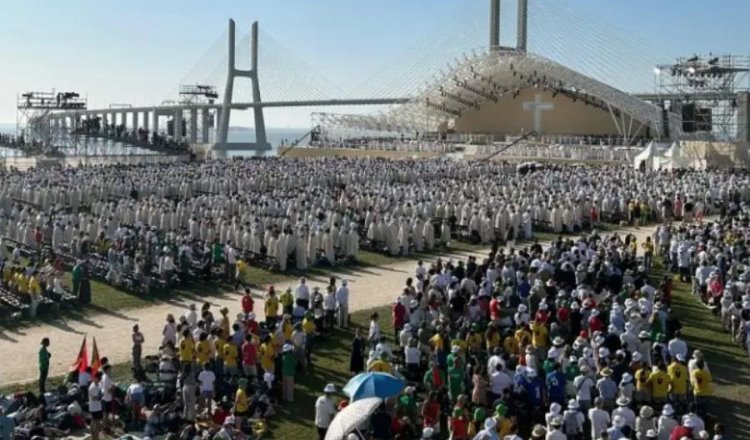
(537,106)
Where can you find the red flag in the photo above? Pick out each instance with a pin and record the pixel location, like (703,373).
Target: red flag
(96,363)
(82,361)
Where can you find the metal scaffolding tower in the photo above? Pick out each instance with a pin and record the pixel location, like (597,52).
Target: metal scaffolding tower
(704,91)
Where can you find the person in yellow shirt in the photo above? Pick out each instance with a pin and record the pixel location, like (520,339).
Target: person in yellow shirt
(510,344)
(287,327)
(642,392)
(22,282)
(203,349)
(437,342)
(240,269)
(218,342)
(187,348)
(461,344)
(271,308)
(678,378)
(241,402)
(492,339)
(224,324)
(523,336)
(287,300)
(701,381)
(230,357)
(381,365)
(504,424)
(538,335)
(659,384)
(474,339)
(35,294)
(308,323)
(267,355)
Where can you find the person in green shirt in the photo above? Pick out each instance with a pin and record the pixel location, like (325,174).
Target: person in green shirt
(76,275)
(44,356)
(407,403)
(288,370)
(218,252)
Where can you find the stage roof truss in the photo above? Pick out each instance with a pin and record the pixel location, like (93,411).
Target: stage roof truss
(486,76)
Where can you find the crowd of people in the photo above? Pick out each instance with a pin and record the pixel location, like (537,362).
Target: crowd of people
(159,221)
(572,341)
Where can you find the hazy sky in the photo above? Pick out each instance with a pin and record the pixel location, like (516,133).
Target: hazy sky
(136,51)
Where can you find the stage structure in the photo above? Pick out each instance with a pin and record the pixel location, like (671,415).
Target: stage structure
(709,93)
(501,92)
(34,125)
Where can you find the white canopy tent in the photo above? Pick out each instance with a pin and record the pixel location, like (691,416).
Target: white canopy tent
(646,158)
(675,158)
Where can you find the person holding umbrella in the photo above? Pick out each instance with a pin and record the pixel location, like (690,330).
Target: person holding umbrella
(325,411)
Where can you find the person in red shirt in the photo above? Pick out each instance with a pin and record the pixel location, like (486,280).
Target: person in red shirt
(495,309)
(686,430)
(431,411)
(247,302)
(542,315)
(249,357)
(398,313)
(252,325)
(563,316)
(595,322)
(459,424)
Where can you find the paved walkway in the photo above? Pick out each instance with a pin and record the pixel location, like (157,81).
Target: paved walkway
(369,287)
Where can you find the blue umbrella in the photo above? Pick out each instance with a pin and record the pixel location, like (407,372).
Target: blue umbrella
(380,385)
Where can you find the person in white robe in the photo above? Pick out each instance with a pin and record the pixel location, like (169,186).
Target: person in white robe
(428,234)
(353,242)
(281,251)
(445,234)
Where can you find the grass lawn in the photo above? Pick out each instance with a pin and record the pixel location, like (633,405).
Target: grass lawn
(727,360)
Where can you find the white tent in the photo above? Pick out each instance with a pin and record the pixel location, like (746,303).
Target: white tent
(646,158)
(674,158)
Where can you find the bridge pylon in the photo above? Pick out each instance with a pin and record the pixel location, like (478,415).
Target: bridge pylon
(222,144)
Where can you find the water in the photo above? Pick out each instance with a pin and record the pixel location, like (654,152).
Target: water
(275,137)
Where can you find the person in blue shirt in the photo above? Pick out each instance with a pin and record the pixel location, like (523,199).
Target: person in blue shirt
(535,392)
(524,288)
(556,385)
(7,425)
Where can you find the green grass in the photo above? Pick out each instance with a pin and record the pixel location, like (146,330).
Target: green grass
(727,360)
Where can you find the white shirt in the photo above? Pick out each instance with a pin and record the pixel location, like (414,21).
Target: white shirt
(329,302)
(134,389)
(627,414)
(555,435)
(374,331)
(324,412)
(106,385)
(84,379)
(412,355)
(342,296)
(494,362)
(95,397)
(207,379)
(678,346)
(583,385)
(599,421)
(499,382)
(302,292)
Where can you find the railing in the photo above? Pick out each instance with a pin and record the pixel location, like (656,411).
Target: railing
(563,152)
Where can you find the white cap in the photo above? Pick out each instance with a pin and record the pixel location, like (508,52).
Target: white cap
(330,388)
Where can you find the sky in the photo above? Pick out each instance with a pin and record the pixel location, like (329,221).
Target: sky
(138,51)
